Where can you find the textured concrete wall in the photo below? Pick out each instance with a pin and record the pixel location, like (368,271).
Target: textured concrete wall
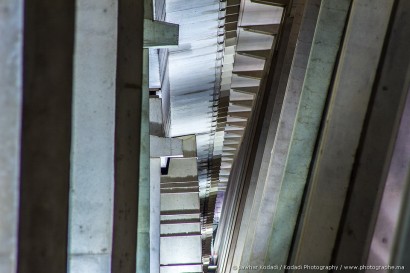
(92,170)
(127,134)
(379,135)
(279,135)
(11,49)
(341,133)
(46,135)
(326,42)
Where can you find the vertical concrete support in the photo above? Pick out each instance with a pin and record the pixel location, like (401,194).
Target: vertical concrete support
(326,42)
(127,134)
(273,158)
(341,134)
(92,170)
(155,214)
(143,239)
(11,49)
(376,162)
(46,135)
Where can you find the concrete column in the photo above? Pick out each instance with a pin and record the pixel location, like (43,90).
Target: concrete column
(285,207)
(92,170)
(127,135)
(143,239)
(344,120)
(11,49)
(279,136)
(376,163)
(46,135)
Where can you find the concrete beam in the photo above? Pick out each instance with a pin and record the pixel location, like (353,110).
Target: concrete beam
(263,29)
(92,153)
(159,34)
(344,121)
(143,230)
(322,59)
(258,54)
(156,117)
(272,2)
(160,146)
(254,74)
(11,28)
(390,88)
(45,133)
(244,103)
(180,250)
(181,169)
(179,201)
(243,114)
(189,146)
(273,95)
(127,135)
(247,90)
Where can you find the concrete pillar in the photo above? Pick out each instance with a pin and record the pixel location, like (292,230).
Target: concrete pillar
(377,163)
(279,135)
(143,236)
(341,134)
(46,135)
(143,230)
(156,34)
(285,206)
(92,170)
(11,49)
(127,135)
